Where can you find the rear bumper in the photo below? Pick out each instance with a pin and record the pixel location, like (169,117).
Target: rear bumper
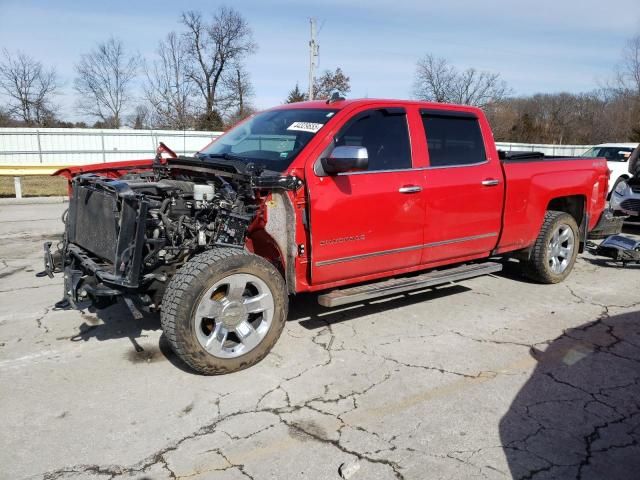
(607,225)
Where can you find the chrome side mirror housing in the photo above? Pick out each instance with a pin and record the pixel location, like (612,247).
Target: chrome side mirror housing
(345,158)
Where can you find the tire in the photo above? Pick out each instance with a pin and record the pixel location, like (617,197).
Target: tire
(541,266)
(205,299)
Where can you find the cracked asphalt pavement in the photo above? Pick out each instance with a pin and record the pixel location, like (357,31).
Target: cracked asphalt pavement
(491,378)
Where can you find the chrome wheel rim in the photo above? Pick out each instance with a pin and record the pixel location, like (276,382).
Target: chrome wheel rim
(234,315)
(560,248)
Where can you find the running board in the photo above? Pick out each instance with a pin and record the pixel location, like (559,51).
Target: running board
(384,288)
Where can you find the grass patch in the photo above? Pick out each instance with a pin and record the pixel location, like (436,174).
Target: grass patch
(35,186)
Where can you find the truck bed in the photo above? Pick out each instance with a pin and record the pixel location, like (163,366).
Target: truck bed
(533,180)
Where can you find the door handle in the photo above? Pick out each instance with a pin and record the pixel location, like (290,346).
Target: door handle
(410,189)
(491,182)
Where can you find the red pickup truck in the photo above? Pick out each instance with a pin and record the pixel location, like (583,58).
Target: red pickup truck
(356,199)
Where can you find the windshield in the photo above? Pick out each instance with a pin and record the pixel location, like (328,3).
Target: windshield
(612,154)
(272,138)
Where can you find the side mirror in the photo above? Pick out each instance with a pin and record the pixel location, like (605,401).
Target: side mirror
(346,158)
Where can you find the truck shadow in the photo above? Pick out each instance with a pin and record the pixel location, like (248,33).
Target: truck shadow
(116,322)
(578,415)
(305,310)
(512,269)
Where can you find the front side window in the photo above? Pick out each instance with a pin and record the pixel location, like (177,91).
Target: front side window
(385,135)
(272,138)
(453,140)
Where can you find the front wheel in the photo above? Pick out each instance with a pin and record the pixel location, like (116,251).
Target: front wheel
(555,250)
(224,310)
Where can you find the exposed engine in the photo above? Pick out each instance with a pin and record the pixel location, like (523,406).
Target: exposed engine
(131,234)
(190,214)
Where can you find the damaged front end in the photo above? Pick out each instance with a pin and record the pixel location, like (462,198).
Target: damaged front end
(128,236)
(105,236)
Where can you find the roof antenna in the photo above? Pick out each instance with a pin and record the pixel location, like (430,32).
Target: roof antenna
(335,97)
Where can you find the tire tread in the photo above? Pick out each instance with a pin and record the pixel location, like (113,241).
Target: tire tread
(179,285)
(535,268)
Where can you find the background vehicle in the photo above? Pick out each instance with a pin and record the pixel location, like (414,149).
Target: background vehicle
(318,196)
(625,198)
(617,156)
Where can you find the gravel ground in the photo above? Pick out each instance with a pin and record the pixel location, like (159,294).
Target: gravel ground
(492,378)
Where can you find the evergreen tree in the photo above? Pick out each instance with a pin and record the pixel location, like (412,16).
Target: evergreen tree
(295,95)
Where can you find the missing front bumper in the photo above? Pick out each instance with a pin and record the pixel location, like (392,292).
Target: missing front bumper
(84,280)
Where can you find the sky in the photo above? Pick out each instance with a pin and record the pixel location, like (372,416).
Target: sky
(536,46)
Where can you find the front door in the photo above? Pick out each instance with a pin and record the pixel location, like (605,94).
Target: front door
(367,222)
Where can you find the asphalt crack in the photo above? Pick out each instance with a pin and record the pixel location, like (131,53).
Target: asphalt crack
(40,319)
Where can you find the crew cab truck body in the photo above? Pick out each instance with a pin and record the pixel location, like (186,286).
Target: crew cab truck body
(357,198)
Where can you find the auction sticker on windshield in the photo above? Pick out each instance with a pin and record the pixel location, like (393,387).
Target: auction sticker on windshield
(305,127)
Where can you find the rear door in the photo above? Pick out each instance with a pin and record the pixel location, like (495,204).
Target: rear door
(366,222)
(464,188)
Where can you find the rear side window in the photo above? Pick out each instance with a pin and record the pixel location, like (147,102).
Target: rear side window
(384,134)
(453,140)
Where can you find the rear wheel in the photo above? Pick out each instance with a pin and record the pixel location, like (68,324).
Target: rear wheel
(555,250)
(224,310)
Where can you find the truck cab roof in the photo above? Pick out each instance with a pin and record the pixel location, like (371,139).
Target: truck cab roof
(373,102)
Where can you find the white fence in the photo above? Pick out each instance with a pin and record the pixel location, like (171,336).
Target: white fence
(553,150)
(77,146)
(24,147)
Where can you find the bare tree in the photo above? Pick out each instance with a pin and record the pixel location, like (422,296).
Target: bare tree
(214,49)
(438,81)
(584,118)
(330,82)
(628,71)
(29,86)
(6,120)
(238,84)
(168,88)
(621,94)
(141,118)
(103,81)
(435,79)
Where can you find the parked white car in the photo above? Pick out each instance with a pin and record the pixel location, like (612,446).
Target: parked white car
(617,155)
(625,198)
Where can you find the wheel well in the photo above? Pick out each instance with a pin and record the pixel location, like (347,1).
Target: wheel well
(263,245)
(574,205)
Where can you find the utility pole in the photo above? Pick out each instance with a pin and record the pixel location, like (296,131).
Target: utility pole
(314,50)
